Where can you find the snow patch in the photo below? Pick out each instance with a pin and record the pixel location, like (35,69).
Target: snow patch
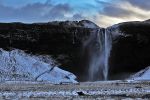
(116,32)
(82,23)
(141,75)
(88,24)
(16,65)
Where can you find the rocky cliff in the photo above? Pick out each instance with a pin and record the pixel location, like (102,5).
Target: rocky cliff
(131,46)
(64,41)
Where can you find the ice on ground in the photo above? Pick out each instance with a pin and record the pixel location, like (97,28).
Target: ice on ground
(142,75)
(16,65)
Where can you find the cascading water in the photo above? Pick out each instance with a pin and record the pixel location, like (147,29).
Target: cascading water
(99,47)
(108,46)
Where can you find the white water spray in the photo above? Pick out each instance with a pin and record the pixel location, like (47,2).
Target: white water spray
(99,45)
(108,46)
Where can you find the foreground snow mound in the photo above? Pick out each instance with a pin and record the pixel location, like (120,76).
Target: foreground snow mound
(16,65)
(141,75)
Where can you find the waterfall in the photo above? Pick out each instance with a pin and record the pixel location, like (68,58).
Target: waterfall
(99,47)
(108,46)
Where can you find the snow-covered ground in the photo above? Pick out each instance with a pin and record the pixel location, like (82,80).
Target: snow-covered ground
(141,75)
(17,65)
(112,90)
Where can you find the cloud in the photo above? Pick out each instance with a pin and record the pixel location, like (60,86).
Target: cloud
(36,12)
(143,4)
(32,12)
(121,11)
(102,12)
(77,17)
(115,11)
(59,11)
(6,12)
(112,9)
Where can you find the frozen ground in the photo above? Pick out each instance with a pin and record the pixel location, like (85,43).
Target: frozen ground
(111,90)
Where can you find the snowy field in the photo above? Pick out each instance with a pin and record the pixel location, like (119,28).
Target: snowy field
(25,76)
(111,90)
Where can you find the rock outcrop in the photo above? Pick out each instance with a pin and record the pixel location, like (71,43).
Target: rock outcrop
(130,49)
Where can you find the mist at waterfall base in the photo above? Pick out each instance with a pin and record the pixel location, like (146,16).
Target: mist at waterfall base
(98,47)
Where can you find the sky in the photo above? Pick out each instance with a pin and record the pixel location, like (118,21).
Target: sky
(102,12)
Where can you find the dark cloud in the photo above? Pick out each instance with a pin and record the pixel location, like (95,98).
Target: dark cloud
(35,12)
(102,2)
(112,10)
(144,4)
(32,12)
(58,12)
(6,12)
(115,11)
(106,11)
(77,17)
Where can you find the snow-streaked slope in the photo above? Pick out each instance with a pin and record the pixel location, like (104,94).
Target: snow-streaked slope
(19,66)
(115,31)
(88,24)
(141,75)
(82,23)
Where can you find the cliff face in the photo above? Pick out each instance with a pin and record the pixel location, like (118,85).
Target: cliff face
(64,41)
(131,46)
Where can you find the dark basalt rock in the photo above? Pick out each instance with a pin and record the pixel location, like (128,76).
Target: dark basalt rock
(131,51)
(60,40)
(63,41)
